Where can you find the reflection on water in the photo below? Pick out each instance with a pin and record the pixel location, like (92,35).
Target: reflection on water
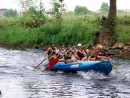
(18,82)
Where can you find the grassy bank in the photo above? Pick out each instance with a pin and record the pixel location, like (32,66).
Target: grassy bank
(73,30)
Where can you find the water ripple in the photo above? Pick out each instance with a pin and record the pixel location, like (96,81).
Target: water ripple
(18,82)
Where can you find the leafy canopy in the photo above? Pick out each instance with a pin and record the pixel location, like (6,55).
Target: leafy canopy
(81,10)
(10,13)
(104,7)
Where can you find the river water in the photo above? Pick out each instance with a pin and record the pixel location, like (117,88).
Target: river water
(18,82)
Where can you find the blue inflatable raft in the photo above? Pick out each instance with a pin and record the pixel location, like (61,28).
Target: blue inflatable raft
(103,67)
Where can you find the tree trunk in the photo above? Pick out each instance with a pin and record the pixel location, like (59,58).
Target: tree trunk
(104,34)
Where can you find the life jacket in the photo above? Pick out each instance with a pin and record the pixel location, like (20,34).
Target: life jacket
(80,54)
(102,53)
(51,54)
(91,53)
(69,55)
(51,51)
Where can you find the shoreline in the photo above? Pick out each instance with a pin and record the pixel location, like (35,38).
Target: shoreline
(119,50)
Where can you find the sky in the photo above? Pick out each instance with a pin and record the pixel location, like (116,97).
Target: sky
(92,5)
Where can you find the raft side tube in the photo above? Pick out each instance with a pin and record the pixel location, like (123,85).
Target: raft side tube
(103,67)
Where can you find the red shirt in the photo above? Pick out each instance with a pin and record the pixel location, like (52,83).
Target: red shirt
(100,53)
(80,54)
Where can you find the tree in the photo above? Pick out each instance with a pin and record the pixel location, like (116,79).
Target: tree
(35,14)
(33,9)
(58,7)
(104,7)
(10,13)
(107,30)
(26,4)
(81,10)
(56,12)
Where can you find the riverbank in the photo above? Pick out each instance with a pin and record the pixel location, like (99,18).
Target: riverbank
(17,33)
(71,31)
(120,50)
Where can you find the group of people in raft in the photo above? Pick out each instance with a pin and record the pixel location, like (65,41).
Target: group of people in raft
(73,54)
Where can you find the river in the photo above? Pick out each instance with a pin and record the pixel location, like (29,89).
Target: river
(18,82)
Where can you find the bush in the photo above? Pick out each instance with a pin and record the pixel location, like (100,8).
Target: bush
(72,30)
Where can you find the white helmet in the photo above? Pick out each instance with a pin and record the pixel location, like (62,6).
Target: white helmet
(79,44)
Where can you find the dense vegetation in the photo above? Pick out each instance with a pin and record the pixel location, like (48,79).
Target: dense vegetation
(75,29)
(72,31)
(36,26)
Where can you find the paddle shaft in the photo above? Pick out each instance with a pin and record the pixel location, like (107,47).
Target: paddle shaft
(44,60)
(85,49)
(66,52)
(109,60)
(114,66)
(54,61)
(41,62)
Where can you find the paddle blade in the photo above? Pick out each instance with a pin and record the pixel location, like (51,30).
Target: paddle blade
(115,67)
(35,67)
(51,64)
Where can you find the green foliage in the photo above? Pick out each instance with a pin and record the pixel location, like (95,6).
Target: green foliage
(10,13)
(123,33)
(73,30)
(104,7)
(68,14)
(51,29)
(26,4)
(58,7)
(102,22)
(81,10)
(79,31)
(35,14)
(34,11)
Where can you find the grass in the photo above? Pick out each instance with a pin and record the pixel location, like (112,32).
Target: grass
(73,30)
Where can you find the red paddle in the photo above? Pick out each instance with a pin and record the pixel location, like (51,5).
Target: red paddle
(53,62)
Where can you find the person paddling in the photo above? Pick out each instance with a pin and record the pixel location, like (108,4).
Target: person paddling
(61,52)
(80,53)
(68,56)
(100,54)
(91,53)
(51,52)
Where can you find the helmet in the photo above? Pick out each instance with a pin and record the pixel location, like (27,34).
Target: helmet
(99,46)
(79,44)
